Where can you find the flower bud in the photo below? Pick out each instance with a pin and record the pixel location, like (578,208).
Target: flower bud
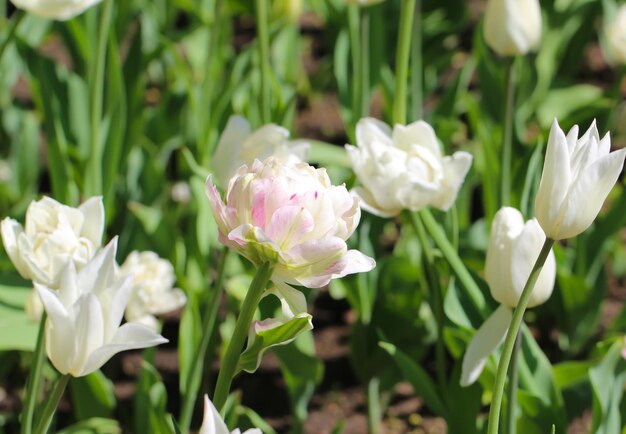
(512,27)
(615,37)
(212,423)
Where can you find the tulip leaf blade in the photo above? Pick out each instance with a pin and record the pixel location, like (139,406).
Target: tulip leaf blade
(607,382)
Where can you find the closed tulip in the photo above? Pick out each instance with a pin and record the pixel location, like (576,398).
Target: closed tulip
(615,37)
(212,423)
(404,168)
(514,247)
(512,27)
(55,9)
(293,217)
(54,234)
(83,326)
(578,174)
(239,145)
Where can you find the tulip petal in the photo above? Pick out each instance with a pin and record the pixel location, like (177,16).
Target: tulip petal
(11,231)
(98,273)
(418,133)
(371,130)
(229,145)
(588,193)
(212,422)
(88,332)
(455,169)
(292,301)
(288,225)
(488,337)
(93,225)
(368,203)
(59,330)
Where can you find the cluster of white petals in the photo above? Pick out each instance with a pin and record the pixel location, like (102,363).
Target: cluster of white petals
(404,168)
(292,216)
(84,315)
(512,27)
(239,145)
(55,9)
(153,291)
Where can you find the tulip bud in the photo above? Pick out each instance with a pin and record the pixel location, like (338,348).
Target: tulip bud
(578,174)
(615,37)
(404,168)
(512,27)
(212,423)
(55,9)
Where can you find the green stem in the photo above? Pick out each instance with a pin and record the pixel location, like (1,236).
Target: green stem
(195,374)
(417,67)
(513,383)
(364,67)
(16,19)
(229,364)
(355,52)
(373,405)
(264,59)
(509,342)
(93,177)
(437,297)
(403,52)
(507,145)
(51,404)
(452,257)
(33,387)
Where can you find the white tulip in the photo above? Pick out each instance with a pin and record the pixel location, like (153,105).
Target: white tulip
(83,326)
(238,145)
(615,37)
(212,423)
(578,175)
(512,27)
(153,290)
(55,9)
(404,168)
(54,235)
(514,246)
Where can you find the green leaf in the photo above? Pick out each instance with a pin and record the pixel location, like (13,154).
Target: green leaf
(263,339)
(92,396)
(189,334)
(419,379)
(95,425)
(607,382)
(23,335)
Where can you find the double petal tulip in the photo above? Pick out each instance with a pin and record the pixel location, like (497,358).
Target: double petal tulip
(84,315)
(404,168)
(514,247)
(153,290)
(55,9)
(238,145)
(615,37)
(578,174)
(291,216)
(54,235)
(512,27)
(212,423)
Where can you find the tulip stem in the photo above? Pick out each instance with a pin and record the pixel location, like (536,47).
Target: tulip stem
(509,342)
(437,297)
(51,404)
(416,64)
(452,257)
(264,59)
(195,374)
(513,383)
(33,386)
(16,19)
(364,67)
(93,175)
(403,51)
(231,358)
(507,144)
(355,51)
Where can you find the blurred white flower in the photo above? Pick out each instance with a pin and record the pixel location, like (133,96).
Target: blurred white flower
(512,27)
(578,174)
(238,145)
(83,326)
(54,235)
(153,291)
(181,192)
(404,168)
(514,247)
(212,423)
(55,9)
(615,37)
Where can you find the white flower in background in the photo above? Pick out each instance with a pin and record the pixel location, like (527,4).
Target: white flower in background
(238,145)
(514,247)
(512,27)
(578,174)
(55,9)
(212,423)
(153,291)
(54,234)
(292,216)
(181,192)
(404,168)
(615,37)
(83,327)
